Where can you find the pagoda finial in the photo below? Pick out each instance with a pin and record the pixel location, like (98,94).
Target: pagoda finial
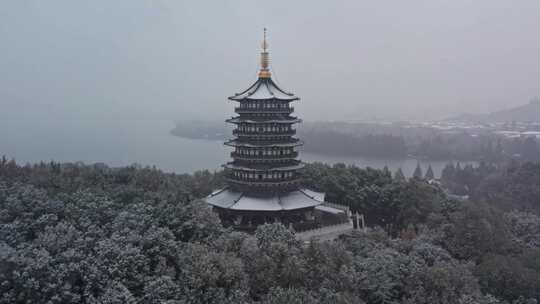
(265,59)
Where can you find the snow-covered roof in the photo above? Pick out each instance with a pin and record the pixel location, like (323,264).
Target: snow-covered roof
(288,119)
(296,199)
(264,88)
(329,209)
(287,168)
(236,143)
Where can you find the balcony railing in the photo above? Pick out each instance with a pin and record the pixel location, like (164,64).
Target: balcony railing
(263,133)
(264,183)
(241,110)
(267,165)
(264,157)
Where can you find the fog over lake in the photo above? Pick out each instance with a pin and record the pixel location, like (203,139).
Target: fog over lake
(145,142)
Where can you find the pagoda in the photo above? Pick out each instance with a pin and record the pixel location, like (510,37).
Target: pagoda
(263,179)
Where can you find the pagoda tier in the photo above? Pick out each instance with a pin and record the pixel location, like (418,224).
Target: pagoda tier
(262,91)
(265,158)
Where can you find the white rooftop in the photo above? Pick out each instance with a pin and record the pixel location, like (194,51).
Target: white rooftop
(287,168)
(264,88)
(285,120)
(296,199)
(236,143)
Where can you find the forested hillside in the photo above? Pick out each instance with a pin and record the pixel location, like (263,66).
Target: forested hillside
(396,140)
(74,233)
(525,113)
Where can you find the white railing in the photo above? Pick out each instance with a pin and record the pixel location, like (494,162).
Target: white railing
(338,206)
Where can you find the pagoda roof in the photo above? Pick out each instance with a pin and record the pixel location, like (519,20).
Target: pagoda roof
(292,200)
(237,143)
(239,119)
(270,168)
(263,89)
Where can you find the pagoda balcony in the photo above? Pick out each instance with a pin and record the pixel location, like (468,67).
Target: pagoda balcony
(264,183)
(263,133)
(285,165)
(268,163)
(291,142)
(245,110)
(264,157)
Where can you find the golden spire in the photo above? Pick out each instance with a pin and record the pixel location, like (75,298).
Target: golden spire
(265,59)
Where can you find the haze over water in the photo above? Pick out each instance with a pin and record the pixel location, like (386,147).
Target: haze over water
(145,142)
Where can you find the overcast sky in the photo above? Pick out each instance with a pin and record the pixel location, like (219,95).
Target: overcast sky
(171,59)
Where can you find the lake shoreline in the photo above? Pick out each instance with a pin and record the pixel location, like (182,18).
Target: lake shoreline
(148,143)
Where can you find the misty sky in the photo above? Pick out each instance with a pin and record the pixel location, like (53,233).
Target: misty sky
(171,59)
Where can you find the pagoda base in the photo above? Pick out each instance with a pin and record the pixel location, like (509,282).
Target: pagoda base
(299,209)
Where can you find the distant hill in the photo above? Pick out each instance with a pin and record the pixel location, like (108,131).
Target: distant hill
(526,113)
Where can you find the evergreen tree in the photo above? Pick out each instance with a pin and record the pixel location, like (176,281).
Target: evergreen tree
(386,171)
(429,174)
(448,172)
(417,172)
(399,176)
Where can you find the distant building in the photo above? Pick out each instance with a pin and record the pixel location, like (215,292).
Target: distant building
(263,179)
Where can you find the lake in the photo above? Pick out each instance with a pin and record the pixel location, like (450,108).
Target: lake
(145,142)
